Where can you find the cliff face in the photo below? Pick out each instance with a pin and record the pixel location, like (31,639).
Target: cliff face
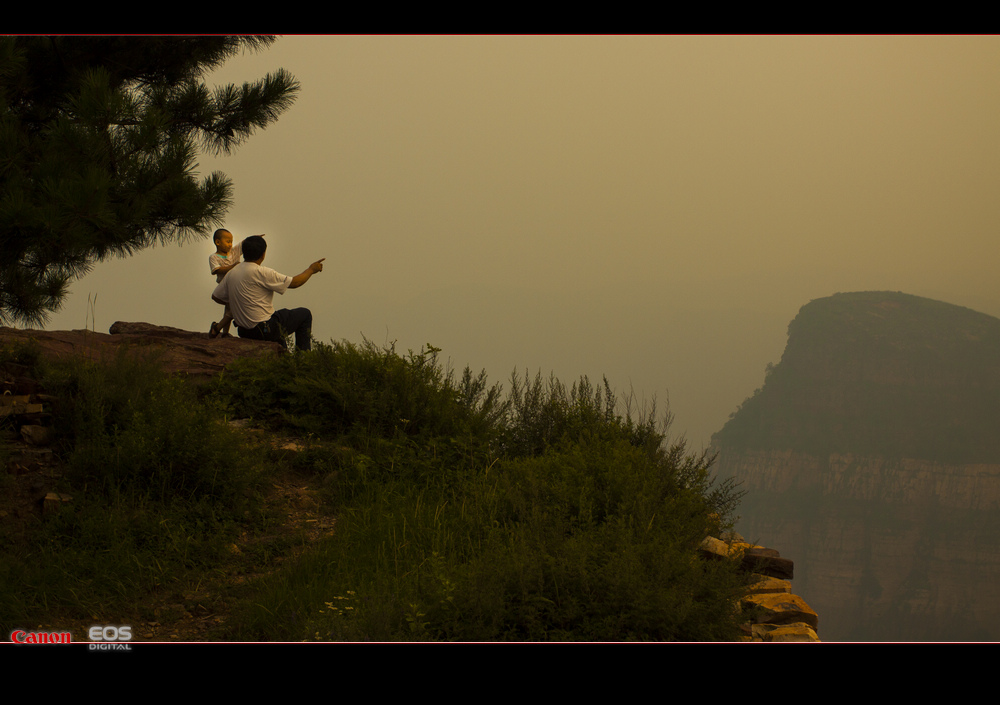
(872,455)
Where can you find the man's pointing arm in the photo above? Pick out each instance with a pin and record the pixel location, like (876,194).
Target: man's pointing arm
(300,279)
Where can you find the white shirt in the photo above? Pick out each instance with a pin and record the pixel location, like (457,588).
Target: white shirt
(215,260)
(248,289)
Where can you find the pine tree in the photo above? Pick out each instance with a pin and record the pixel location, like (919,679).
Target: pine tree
(98,141)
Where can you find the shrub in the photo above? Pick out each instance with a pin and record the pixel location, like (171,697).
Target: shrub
(160,485)
(549,515)
(541,414)
(344,388)
(595,541)
(129,428)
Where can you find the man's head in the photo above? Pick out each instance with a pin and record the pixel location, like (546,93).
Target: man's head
(223,240)
(254,248)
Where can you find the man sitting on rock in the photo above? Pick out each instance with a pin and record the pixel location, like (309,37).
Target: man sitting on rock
(248,289)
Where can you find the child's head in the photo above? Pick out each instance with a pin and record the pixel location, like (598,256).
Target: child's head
(254,248)
(223,240)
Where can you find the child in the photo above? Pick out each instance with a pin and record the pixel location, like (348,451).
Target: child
(227,256)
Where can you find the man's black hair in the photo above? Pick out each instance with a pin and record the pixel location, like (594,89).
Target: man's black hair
(253,247)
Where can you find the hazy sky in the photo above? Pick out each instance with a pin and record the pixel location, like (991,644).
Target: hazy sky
(654,209)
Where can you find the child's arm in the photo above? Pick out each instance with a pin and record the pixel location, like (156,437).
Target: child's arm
(237,252)
(223,269)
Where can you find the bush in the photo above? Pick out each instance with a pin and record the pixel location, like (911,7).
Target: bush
(596,542)
(541,414)
(549,515)
(343,389)
(129,428)
(160,486)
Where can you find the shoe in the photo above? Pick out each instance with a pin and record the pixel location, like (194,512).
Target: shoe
(214,330)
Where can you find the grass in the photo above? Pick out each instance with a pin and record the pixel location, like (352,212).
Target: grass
(462,513)
(160,487)
(547,515)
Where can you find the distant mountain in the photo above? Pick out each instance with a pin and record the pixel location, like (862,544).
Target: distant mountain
(872,454)
(880,373)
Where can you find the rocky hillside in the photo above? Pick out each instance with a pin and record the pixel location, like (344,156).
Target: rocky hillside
(46,504)
(871,454)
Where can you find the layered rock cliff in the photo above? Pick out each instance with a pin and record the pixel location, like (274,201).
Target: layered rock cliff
(872,454)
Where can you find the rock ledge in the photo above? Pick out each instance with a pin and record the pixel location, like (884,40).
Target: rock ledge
(183,352)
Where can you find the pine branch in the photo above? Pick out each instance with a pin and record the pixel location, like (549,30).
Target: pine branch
(98,143)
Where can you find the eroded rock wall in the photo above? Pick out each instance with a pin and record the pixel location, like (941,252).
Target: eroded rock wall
(886,548)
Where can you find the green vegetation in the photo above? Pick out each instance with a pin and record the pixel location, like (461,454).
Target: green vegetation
(99,139)
(462,513)
(160,486)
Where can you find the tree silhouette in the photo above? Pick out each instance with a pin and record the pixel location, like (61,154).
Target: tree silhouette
(98,140)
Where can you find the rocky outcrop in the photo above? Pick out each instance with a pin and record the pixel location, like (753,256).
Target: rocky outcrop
(194,355)
(781,616)
(871,454)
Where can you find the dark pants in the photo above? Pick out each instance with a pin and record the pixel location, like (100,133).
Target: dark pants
(282,323)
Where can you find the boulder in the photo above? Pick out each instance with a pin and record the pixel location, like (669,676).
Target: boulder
(779,608)
(192,354)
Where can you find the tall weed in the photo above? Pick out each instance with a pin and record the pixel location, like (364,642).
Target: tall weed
(159,485)
(129,428)
(553,514)
(344,389)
